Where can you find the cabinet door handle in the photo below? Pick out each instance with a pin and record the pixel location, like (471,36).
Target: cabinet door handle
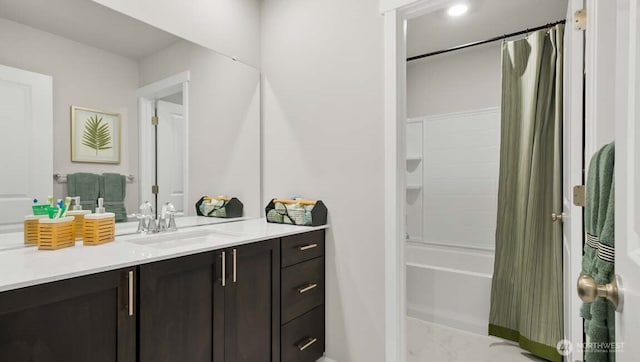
(235,269)
(131,292)
(307,343)
(307,247)
(224,269)
(307,288)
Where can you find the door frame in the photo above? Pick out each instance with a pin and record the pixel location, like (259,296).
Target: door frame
(395,79)
(147,96)
(573,155)
(395,65)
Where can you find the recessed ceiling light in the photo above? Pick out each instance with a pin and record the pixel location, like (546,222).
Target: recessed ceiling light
(457,10)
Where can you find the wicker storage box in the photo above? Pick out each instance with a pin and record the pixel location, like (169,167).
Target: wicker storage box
(99,228)
(78,222)
(31,229)
(56,233)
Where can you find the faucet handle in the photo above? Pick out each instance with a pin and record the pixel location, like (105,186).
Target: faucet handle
(172,222)
(152,226)
(162,224)
(142,223)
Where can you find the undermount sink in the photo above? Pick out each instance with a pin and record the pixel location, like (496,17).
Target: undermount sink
(169,240)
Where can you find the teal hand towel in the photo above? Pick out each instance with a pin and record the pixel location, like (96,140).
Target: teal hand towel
(598,261)
(113,188)
(86,186)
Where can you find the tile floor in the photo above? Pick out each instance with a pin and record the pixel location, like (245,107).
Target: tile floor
(437,343)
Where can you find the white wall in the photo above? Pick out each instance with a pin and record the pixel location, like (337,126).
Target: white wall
(461,163)
(231,27)
(457,95)
(82,76)
(463,80)
(223,121)
(323,138)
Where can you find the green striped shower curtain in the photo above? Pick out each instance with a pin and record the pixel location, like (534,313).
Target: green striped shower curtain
(526,293)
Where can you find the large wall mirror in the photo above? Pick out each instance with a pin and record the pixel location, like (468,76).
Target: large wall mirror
(57,55)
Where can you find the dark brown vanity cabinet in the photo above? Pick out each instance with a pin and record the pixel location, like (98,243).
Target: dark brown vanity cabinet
(215,306)
(302,293)
(82,319)
(249,303)
(259,302)
(175,309)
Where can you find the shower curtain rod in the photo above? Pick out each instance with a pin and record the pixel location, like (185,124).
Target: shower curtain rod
(501,37)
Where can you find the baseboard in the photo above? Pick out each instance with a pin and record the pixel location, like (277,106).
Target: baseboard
(465,322)
(326,359)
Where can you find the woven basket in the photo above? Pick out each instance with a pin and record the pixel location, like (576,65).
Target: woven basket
(99,228)
(56,233)
(31,229)
(78,222)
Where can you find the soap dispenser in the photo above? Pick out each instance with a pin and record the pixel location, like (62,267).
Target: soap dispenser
(100,208)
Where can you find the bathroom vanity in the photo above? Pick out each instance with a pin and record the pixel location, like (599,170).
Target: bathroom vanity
(239,291)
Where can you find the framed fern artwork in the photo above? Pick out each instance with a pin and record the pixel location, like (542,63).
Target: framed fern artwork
(95,136)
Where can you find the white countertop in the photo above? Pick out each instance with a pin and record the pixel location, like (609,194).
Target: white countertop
(27,266)
(15,240)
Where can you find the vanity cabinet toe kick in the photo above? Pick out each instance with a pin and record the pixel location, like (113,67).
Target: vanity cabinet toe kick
(262,301)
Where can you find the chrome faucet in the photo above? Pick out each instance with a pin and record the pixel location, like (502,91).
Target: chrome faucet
(148,224)
(171,211)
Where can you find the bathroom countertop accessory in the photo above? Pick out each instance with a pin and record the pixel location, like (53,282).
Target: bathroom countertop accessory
(98,228)
(296,212)
(100,208)
(219,206)
(56,233)
(31,228)
(78,221)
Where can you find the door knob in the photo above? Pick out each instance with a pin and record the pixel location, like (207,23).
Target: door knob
(588,290)
(556,217)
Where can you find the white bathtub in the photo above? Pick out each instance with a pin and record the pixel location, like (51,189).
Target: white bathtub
(449,285)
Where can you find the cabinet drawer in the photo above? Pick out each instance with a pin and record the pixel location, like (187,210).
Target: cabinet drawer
(302,288)
(303,338)
(301,247)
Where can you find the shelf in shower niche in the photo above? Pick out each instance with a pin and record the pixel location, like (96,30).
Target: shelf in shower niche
(413,162)
(414,187)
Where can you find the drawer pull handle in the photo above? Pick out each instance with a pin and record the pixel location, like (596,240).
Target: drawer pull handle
(235,269)
(308,343)
(307,288)
(307,247)
(131,293)
(224,269)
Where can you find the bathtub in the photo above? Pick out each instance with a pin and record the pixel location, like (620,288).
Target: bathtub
(449,285)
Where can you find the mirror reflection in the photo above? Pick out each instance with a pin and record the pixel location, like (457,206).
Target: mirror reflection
(127,74)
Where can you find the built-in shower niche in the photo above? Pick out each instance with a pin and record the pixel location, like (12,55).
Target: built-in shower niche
(415,178)
(452,178)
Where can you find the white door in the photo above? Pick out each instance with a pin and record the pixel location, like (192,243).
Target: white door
(572,173)
(26,149)
(627,178)
(171,154)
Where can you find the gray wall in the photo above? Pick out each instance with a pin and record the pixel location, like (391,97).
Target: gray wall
(459,81)
(231,27)
(323,113)
(82,76)
(223,121)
